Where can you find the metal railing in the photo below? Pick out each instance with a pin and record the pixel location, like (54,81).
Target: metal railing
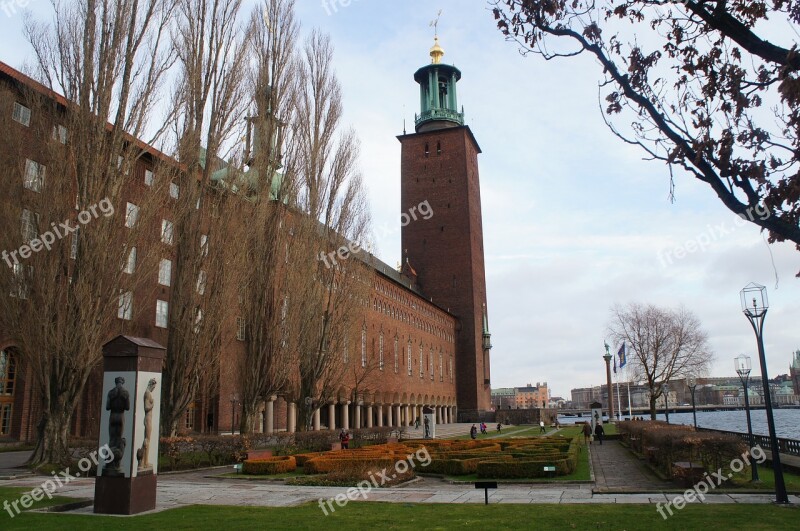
(785,446)
(440,114)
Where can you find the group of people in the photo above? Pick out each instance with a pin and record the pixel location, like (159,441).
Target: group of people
(473,431)
(598,432)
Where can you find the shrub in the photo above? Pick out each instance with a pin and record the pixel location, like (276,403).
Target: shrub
(270,465)
(323,465)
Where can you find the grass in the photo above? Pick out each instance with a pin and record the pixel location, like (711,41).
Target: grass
(12,494)
(767,480)
(397,516)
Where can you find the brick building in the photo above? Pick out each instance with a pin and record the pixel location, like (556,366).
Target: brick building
(426,325)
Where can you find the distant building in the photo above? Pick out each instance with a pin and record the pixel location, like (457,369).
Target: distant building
(794,371)
(528,397)
(503,398)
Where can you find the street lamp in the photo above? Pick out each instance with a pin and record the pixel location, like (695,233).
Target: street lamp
(665,387)
(234,400)
(742,364)
(692,383)
(607,358)
(755,306)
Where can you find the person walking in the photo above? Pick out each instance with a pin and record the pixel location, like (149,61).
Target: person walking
(599,432)
(541,427)
(344,437)
(587,433)
(473,431)
(499,425)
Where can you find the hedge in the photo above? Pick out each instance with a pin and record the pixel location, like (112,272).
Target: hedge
(322,465)
(270,465)
(523,468)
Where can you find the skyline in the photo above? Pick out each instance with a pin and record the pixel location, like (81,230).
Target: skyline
(574,221)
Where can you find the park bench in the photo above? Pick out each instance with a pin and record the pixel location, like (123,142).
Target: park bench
(687,472)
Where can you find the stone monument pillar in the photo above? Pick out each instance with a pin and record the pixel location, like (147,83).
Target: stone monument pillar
(129,425)
(428,423)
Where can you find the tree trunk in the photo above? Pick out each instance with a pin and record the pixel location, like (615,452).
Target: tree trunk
(250,415)
(52,444)
(652,408)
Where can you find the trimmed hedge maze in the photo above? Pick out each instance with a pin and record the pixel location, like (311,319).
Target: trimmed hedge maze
(512,458)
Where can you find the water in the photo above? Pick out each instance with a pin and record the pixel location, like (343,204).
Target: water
(787,421)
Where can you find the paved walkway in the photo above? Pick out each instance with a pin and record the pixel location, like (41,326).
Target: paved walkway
(11,464)
(617,469)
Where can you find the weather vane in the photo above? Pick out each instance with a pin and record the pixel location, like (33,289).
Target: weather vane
(435,23)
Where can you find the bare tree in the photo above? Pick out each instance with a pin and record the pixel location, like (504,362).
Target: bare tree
(213,52)
(707,87)
(269,249)
(61,304)
(663,344)
(333,202)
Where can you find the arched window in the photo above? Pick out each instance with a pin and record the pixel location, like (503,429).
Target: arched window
(380,351)
(8,377)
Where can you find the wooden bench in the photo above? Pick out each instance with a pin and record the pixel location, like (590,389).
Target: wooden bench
(687,473)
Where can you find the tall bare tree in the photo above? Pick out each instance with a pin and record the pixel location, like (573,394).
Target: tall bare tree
(210,100)
(269,250)
(663,345)
(331,302)
(71,171)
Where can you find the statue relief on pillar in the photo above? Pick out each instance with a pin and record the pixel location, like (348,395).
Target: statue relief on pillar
(143,454)
(117,403)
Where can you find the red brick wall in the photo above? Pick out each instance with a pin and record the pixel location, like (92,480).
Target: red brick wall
(446,250)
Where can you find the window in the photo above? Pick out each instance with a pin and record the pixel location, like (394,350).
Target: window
(34,176)
(430,362)
(162,309)
(19,285)
(188,423)
(131,215)
(30,224)
(60,133)
(166,232)
(198,320)
(8,374)
(174,190)
(125,310)
(396,355)
(149,177)
(363,347)
(204,244)
(201,283)
(165,272)
(346,357)
(22,114)
(122,165)
(240,329)
(408,357)
(421,362)
(380,351)
(451,369)
(130,264)
(441,368)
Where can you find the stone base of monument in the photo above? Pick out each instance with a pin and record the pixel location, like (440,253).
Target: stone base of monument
(120,495)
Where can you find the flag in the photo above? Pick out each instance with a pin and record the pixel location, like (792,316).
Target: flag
(615,365)
(622,358)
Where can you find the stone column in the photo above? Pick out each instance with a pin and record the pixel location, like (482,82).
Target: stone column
(369,416)
(291,417)
(389,415)
(408,415)
(270,427)
(357,419)
(397,422)
(332,416)
(380,415)
(345,416)
(315,420)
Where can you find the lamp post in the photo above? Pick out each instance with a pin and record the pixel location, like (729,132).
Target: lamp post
(692,383)
(665,387)
(234,400)
(742,364)
(607,358)
(755,306)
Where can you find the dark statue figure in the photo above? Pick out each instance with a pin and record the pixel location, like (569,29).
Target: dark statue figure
(117,402)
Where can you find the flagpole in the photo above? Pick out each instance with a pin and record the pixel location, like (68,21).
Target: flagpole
(630,412)
(619,405)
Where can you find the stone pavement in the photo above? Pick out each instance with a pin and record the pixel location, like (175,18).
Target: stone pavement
(616,468)
(11,464)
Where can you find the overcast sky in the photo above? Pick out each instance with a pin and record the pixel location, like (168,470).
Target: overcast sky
(574,221)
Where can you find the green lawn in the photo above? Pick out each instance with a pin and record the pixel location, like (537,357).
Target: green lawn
(767,480)
(12,494)
(433,516)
